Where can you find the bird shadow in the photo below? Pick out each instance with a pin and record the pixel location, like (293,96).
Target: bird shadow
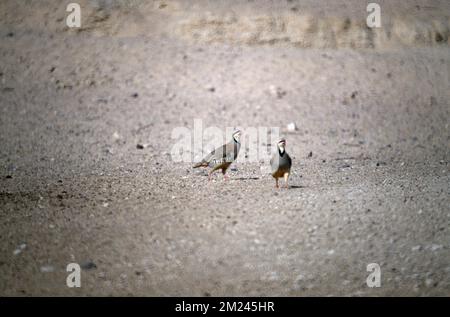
(296,186)
(246,178)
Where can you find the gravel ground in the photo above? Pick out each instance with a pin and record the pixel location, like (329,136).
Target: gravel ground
(370,180)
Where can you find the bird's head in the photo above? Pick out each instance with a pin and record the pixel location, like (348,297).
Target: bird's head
(237,135)
(281,145)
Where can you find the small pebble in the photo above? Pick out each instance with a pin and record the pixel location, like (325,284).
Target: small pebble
(277,91)
(291,127)
(116,135)
(88,265)
(20,249)
(47,269)
(142,146)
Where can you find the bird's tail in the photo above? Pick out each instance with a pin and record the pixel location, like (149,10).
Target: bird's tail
(200,164)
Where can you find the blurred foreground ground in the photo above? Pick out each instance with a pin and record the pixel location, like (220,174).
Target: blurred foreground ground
(373,108)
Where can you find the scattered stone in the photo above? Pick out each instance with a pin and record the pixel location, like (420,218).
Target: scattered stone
(20,249)
(310,154)
(291,127)
(135,95)
(8,176)
(354,94)
(142,146)
(47,269)
(277,91)
(211,88)
(429,282)
(88,265)
(116,135)
(416,248)
(435,247)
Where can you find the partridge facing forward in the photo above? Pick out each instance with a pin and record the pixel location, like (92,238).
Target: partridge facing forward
(222,157)
(281,163)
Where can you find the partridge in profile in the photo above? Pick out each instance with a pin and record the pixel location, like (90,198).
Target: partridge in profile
(222,157)
(281,163)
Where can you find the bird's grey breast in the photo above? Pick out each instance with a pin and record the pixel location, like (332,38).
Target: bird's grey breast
(280,161)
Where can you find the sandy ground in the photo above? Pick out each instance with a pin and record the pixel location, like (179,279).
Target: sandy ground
(75,188)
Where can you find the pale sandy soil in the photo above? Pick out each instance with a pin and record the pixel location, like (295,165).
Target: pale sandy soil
(74,187)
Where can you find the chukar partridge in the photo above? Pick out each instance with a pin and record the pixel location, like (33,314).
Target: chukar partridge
(222,157)
(281,163)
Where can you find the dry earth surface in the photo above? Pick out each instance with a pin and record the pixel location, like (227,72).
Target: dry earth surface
(370,180)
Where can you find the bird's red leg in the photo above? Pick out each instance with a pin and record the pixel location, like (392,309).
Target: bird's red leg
(276,183)
(286,179)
